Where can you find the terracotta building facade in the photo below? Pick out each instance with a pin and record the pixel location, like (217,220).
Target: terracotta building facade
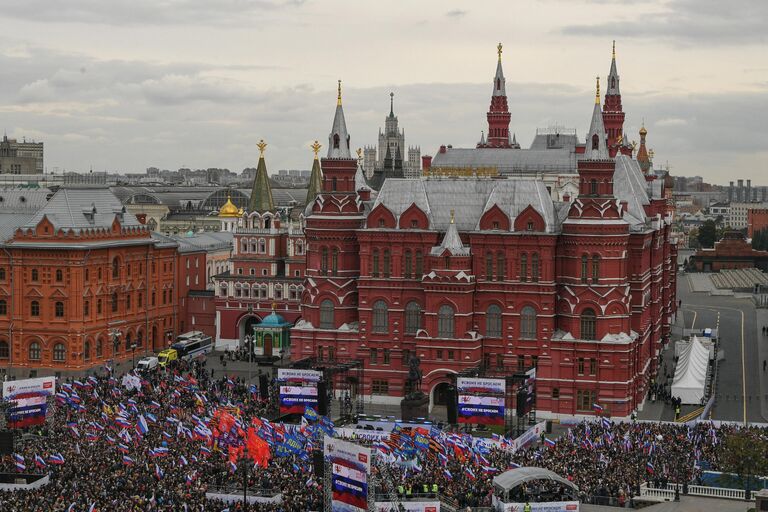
(81,282)
(492,273)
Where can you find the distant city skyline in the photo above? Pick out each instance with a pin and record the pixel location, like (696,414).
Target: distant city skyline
(125,85)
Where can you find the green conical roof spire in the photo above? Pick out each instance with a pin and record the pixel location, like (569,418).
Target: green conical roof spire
(261,193)
(316,178)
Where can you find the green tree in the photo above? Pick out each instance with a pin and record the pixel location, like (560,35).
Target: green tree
(707,234)
(744,453)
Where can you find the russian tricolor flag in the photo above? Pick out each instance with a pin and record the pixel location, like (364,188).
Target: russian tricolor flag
(56,459)
(128,461)
(39,462)
(649,467)
(141,425)
(159,472)
(597,407)
(549,442)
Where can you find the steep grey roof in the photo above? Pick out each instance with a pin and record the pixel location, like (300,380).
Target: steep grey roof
(67,209)
(23,200)
(553,139)
(502,90)
(206,241)
(360,181)
(339,128)
(629,185)
(509,161)
(612,87)
(596,127)
(470,198)
(451,242)
(10,222)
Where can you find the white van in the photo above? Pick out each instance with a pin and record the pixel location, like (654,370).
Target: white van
(146,364)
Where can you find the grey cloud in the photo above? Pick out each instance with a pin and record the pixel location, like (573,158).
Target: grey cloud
(708,22)
(456,13)
(145,12)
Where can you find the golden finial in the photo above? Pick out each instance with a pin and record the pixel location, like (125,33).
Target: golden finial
(316,148)
(453,214)
(498,48)
(614,49)
(359,153)
(262,146)
(620,139)
(597,92)
(338,100)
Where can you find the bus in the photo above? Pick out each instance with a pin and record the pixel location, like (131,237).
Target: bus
(192,344)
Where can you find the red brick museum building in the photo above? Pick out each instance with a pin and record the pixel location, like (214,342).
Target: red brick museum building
(464,272)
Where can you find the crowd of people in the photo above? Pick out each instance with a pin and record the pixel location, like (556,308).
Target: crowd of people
(102,455)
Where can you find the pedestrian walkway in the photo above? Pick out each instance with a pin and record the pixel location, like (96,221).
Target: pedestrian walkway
(700,282)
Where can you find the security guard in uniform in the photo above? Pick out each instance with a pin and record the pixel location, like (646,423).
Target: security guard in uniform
(400,490)
(527,507)
(434,490)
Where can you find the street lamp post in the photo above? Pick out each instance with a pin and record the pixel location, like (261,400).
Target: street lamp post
(250,346)
(115,340)
(133,355)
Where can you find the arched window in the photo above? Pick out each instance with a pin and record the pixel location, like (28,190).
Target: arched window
(419,264)
(445,322)
(87,350)
(498,84)
(335,261)
(535,267)
(99,348)
(523,267)
(262,246)
(34,308)
(5,352)
(59,275)
(593,185)
(613,82)
(114,301)
(86,308)
(34,351)
(408,264)
(115,267)
(493,322)
(380,314)
(489,266)
(387,263)
(528,323)
(2,273)
(59,309)
(139,339)
(335,141)
(267,222)
(588,322)
(244,246)
(584,262)
(128,341)
(326,314)
(595,142)
(375,264)
(3,307)
(501,265)
(595,268)
(412,317)
(59,352)
(324,261)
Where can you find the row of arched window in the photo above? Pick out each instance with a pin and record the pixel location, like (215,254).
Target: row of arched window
(534,267)
(59,353)
(325,269)
(253,246)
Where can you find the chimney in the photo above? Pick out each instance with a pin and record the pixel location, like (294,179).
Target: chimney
(426,163)
(442,148)
(364,193)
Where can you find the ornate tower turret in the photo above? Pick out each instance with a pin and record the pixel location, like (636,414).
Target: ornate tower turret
(642,153)
(261,191)
(613,115)
(498,113)
(316,177)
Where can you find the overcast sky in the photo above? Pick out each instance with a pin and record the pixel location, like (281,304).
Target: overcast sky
(122,85)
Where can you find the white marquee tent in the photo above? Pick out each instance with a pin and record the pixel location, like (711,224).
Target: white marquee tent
(691,372)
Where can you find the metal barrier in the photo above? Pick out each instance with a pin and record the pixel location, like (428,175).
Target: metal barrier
(668,493)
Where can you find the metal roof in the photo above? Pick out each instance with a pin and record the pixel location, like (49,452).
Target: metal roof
(629,185)
(509,161)
(206,241)
(469,198)
(72,208)
(514,477)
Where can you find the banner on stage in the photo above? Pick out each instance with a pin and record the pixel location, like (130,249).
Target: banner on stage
(350,467)
(295,375)
(295,399)
(28,398)
(465,385)
(487,410)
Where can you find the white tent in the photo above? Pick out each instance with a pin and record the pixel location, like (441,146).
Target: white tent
(691,372)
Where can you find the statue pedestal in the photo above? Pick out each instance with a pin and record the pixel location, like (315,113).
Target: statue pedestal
(415,405)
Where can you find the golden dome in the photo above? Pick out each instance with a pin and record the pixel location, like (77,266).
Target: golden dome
(229,209)
(643,131)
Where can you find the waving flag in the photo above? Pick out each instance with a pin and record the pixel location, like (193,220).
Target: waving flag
(122,448)
(447,474)
(183,460)
(597,408)
(18,460)
(159,472)
(232,467)
(649,467)
(549,442)
(605,422)
(56,459)
(128,461)
(141,425)
(39,462)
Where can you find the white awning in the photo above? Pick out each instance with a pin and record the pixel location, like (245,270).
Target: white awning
(691,373)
